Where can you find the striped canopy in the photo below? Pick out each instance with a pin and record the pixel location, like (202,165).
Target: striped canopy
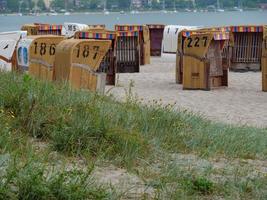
(216,35)
(252,29)
(224,29)
(128,27)
(47,27)
(128,33)
(97,35)
(222,36)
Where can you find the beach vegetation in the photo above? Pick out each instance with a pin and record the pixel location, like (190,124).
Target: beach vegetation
(174,153)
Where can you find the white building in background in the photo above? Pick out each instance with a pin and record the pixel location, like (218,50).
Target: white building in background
(47,3)
(137,3)
(140,3)
(3,4)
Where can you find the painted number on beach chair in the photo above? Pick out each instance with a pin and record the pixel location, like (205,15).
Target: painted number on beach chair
(205,39)
(52,49)
(72,28)
(190,40)
(196,42)
(96,48)
(86,51)
(43,49)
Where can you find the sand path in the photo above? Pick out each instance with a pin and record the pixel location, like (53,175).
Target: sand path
(242,103)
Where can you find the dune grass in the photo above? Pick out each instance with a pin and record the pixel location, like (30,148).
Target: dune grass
(84,124)
(31,181)
(27,175)
(174,182)
(80,122)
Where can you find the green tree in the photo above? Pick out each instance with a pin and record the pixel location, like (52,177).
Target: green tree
(24,7)
(169,4)
(13,5)
(228,3)
(182,4)
(111,3)
(252,3)
(94,4)
(156,5)
(58,4)
(41,4)
(205,3)
(30,4)
(124,4)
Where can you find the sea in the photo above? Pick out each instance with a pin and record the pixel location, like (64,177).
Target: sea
(14,22)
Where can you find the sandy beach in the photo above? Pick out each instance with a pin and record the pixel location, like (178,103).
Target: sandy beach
(242,103)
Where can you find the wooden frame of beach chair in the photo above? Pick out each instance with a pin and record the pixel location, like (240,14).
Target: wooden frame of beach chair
(226,52)
(264,60)
(156,36)
(199,59)
(42,53)
(109,63)
(78,62)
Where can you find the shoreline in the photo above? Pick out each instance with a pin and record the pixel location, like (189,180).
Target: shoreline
(136,12)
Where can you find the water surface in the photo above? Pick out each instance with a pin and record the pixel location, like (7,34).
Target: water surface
(10,23)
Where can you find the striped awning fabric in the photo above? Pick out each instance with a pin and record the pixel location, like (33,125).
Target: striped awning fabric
(129,28)
(217,35)
(156,26)
(49,27)
(224,29)
(247,29)
(221,36)
(128,33)
(97,26)
(88,35)
(207,29)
